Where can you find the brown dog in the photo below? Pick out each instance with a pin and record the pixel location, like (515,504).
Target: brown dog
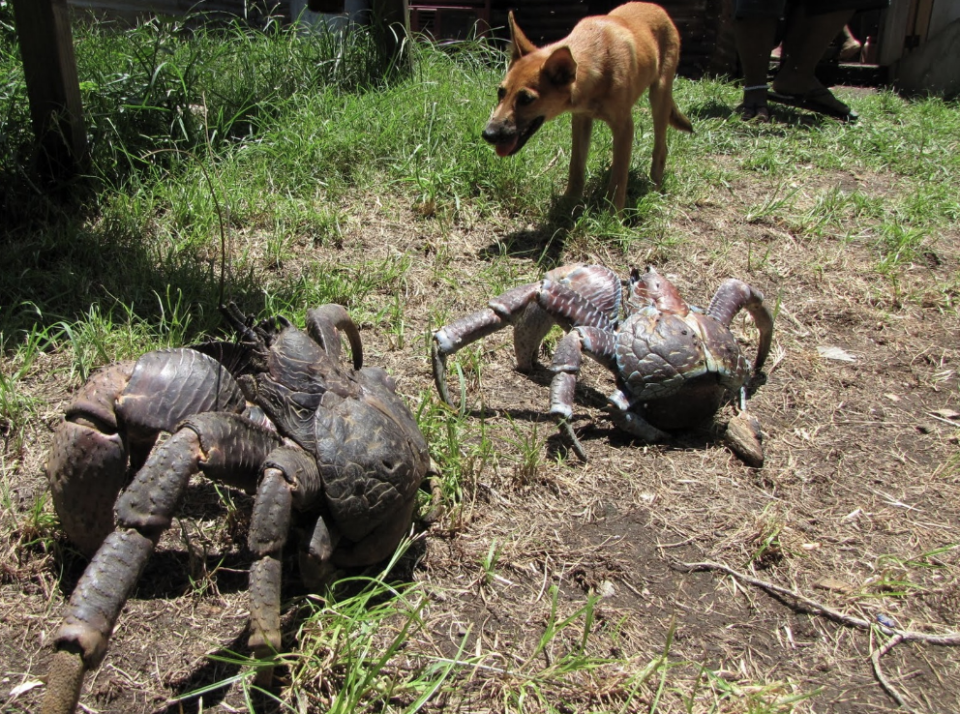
(598,71)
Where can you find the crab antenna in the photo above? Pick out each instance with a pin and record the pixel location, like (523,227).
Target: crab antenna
(238,321)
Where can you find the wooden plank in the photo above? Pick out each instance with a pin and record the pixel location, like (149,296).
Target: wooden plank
(50,69)
(921,24)
(893,32)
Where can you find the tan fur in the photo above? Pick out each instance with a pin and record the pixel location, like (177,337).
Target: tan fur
(598,71)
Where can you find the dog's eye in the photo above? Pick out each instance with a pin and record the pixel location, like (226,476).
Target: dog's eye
(525,98)
(501,93)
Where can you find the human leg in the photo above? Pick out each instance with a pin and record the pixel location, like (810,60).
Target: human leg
(755,38)
(804,43)
(755,28)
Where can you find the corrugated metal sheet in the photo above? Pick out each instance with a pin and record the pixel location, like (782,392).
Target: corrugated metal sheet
(706,33)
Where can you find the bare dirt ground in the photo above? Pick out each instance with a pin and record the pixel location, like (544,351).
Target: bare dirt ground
(857,506)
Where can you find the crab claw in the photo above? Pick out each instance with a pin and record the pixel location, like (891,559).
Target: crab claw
(735,295)
(743,436)
(64,681)
(440,373)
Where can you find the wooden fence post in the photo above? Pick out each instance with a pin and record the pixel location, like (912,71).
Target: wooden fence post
(50,68)
(391,28)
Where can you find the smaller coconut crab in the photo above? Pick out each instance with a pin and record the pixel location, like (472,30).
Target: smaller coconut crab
(330,452)
(674,365)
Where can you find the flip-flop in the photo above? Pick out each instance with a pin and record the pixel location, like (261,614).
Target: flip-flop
(818,100)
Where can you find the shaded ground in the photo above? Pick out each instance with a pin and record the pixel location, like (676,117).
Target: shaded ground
(857,506)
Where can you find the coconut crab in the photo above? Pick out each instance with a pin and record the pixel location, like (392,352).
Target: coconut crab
(673,364)
(326,448)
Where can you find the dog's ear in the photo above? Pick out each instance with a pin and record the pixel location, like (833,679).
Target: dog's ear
(560,67)
(519,44)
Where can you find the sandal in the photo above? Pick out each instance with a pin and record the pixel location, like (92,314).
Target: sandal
(757,110)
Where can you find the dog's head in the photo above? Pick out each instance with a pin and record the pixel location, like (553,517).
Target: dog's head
(536,89)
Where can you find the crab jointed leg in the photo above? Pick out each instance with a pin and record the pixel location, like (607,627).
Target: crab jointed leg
(224,447)
(533,309)
(290,478)
(601,346)
(88,465)
(735,295)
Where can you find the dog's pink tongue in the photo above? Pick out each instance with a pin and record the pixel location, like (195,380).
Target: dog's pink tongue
(504,148)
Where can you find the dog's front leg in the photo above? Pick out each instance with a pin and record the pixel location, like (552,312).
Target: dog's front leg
(622,150)
(582,129)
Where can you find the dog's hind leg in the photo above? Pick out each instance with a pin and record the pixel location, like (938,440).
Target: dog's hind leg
(620,168)
(665,113)
(582,129)
(661,104)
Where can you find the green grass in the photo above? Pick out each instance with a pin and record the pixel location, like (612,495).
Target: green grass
(181,124)
(251,146)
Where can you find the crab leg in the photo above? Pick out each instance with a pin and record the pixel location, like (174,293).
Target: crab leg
(598,344)
(89,460)
(290,479)
(322,324)
(735,295)
(451,338)
(629,421)
(565,367)
(568,296)
(515,307)
(225,447)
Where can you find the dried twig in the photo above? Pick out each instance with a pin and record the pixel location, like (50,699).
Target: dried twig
(948,638)
(878,672)
(896,635)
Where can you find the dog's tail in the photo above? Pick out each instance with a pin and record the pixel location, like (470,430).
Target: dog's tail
(679,121)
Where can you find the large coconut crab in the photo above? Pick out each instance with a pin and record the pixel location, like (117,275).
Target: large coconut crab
(329,448)
(674,365)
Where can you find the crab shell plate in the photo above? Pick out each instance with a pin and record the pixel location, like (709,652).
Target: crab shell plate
(678,367)
(369,460)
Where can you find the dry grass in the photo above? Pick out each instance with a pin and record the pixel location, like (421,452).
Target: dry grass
(856,508)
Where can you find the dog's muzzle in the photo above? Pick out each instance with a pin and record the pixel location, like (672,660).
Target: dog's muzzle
(507,140)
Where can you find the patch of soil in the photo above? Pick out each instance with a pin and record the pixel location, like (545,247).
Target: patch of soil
(857,505)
